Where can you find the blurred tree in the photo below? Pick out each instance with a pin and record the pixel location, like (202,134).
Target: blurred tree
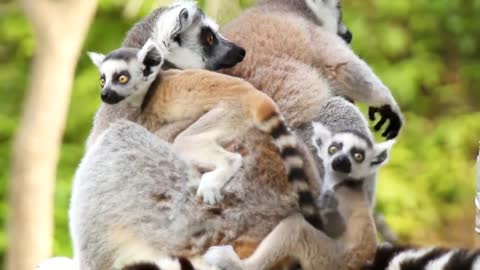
(59,29)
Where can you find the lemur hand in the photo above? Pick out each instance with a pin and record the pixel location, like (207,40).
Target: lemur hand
(386,113)
(332,219)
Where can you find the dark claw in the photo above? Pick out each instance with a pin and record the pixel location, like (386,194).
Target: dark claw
(371,113)
(395,121)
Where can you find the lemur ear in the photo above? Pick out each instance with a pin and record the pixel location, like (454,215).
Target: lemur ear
(321,134)
(382,153)
(150,54)
(97,58)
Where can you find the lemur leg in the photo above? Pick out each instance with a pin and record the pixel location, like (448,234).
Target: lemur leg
(294,237)
(201,144)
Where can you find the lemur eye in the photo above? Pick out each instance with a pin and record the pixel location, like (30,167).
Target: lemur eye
(358,157)
(332,149)
(123,79)
(102,82)
(210,39)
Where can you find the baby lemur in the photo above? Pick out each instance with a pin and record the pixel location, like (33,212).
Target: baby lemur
(349,157)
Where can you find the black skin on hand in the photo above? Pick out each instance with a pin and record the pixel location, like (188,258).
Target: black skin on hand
(386,113)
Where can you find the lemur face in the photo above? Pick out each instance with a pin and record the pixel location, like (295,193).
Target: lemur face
(349,154)
(127,73)
(196,42)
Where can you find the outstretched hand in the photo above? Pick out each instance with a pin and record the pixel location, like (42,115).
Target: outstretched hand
(386,113)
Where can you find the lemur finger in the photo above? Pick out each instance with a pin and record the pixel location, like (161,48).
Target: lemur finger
(394,127)
(387,131)
(371,113)
(380,123)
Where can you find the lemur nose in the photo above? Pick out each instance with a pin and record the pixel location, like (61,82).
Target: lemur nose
(342,164)
(104,95)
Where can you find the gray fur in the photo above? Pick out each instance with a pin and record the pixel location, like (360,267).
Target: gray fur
(127,162)
(338,114)
(116,193)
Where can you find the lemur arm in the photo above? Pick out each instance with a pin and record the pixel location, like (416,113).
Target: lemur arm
(353,78)
(294,237)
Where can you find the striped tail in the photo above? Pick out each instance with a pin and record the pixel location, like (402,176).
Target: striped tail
(286,142)
(179,263)
(403,258)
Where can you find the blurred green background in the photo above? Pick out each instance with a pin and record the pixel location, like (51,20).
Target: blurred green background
(426,51)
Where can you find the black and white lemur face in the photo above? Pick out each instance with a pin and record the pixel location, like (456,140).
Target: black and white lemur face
(195,41)
(128,72)
(349,154)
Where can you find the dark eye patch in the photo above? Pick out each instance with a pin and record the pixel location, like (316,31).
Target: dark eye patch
(102,77)
(338,145)
(205,33)
(356,150)
(178,39)
(117,75)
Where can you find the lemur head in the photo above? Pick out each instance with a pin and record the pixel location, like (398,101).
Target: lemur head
(349,154)
(329,12)
(193,39)
(127,73)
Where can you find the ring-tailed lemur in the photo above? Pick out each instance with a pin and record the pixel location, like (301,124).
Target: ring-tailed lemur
(349,157)
(188,39)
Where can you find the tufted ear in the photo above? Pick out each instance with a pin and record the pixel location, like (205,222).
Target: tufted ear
(97,58)
(321,135)
(381,153)
(150,54)
(174,21)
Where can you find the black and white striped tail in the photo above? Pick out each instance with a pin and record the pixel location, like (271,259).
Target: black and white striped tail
(406,258)
(286,143)
(181,263)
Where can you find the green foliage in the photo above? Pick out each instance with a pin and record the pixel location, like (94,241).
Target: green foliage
(426,51)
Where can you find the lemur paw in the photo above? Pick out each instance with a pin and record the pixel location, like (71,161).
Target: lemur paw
(212,183)
(210,188)
(333,221)
(223,257)
(387,113)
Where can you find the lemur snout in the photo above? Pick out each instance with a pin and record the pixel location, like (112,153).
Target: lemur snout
(111,97)
(234,56)
(342,164)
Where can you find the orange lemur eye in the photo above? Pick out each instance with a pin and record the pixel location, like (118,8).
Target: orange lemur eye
(102,82)
(210,39)
(123,79)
